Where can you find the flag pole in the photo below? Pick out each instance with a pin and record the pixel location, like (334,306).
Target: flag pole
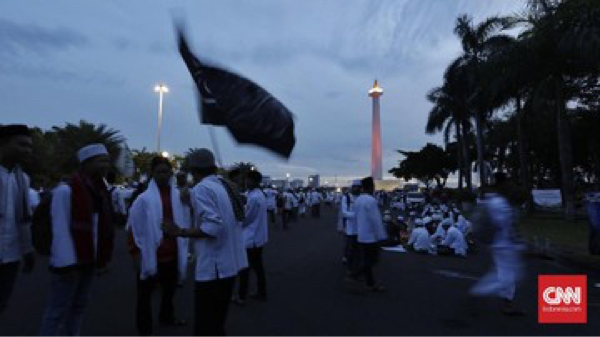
(215,146)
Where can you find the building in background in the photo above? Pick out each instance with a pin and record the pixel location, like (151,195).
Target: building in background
(297,183)
(266,180)
(313,181)
(279,183)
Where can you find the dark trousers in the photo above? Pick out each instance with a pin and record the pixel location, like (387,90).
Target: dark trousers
(255,262)
(212,304)
(167,278)
(272,215)
(370,256)
(316,211)
(8,275)
(286,217)
(352,253)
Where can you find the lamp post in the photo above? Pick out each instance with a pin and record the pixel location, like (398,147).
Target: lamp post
(161,89)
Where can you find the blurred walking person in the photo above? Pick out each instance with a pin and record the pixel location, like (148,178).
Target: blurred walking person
(496,220)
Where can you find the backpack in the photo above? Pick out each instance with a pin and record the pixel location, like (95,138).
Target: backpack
(41,226)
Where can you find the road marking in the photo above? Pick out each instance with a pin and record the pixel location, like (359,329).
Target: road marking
(455,274)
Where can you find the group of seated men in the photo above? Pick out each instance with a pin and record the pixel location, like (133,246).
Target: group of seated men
(434,229)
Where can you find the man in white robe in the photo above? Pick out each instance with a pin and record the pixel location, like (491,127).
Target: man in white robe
(315,203)
(15,208)
(420,240)
(454,243)
(370,232)
(82,241)
(255,238)
(288,208)
(218,241)
(271,194)
(496,220)
(162,259)
(351,249)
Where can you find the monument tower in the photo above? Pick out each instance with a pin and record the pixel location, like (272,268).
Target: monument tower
(376,167)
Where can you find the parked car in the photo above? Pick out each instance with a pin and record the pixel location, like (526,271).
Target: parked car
(413,198)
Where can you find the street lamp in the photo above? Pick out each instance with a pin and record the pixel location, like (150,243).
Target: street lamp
(165,154)
(161,89)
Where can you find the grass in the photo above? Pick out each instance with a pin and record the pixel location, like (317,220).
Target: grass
(566,234)
(570,238)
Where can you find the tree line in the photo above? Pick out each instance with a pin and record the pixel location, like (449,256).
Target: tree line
(523,97)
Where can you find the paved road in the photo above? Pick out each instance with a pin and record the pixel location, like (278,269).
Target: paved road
(307,295)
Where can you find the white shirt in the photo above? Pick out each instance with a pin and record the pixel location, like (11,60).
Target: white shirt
(420,239)
(440,233)
(271,198)
(463,225)
(34,199)
(288,202)
(456,240)
(369,225)
(347,210)
(63,248)
(315,198)
(295,200)
(15,239)
(255,223)
(223,255)
(502,218)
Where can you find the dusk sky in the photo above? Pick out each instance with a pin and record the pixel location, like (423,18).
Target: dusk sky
(64,61)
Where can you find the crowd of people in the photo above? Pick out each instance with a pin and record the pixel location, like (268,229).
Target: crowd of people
(372,219)
(209,223)
(168,220)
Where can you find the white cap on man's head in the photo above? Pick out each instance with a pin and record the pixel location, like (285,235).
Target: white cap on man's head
(90,151)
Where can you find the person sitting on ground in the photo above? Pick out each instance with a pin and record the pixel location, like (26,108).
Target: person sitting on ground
(420,240)
(454,243)
(392,229)
(403,229)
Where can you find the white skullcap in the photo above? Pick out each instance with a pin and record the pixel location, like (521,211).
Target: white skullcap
(427,220)
(387,217)
(418,222)
(400,218)
(91,151)
(437,216)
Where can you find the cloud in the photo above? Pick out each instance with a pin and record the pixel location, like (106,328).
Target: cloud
(16,38)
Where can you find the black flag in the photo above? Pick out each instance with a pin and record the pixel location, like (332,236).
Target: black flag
(249,112)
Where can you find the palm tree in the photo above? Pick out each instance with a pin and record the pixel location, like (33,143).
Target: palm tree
(563,39)
(449,114)
(71,137)
(478,42)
